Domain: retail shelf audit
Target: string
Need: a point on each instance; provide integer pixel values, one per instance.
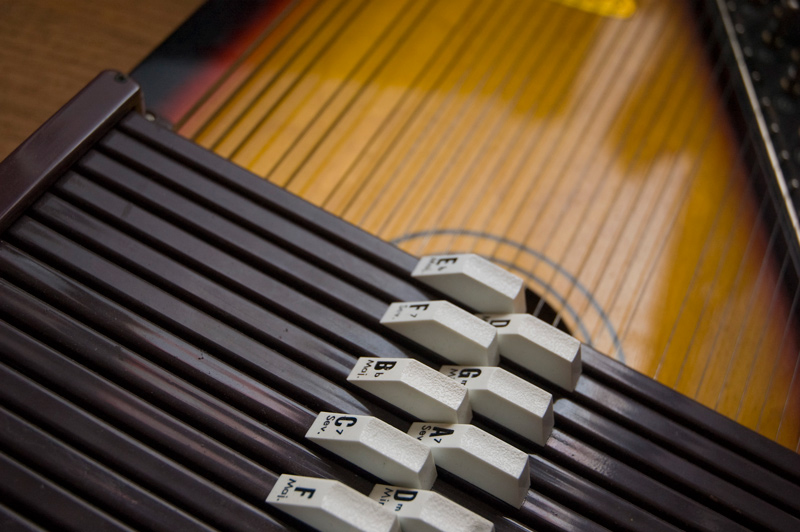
(627, 320)
(523, 124)
(214, 87)
(789, 395)
(362, 88)
(518, 169)
(777, 291)
(642, 229)
(351, 17)
(698, 319)
(480, 154)
(257, 75)
(721, 263)
(394, 112)
(485, 33)
(786, 331)
(457, 126)
(662, 107)
(330, 22)
(452, 93)
(326, 158)
(765, 263)
(558, 222)
(645, 229)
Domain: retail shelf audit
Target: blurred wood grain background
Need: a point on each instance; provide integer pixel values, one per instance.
(50, 49)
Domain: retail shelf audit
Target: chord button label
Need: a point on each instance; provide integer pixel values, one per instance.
(479, 458)
(539, 347)
(445, 329)
(330, 505)
(375, 446)
(414, 387)
(428, 511)
(473, 281)
(507, 399)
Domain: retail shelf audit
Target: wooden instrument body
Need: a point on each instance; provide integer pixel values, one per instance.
(594, 156)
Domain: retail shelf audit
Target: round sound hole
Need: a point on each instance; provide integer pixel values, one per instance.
(545, 311)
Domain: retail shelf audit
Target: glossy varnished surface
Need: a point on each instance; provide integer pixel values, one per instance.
(593, 156)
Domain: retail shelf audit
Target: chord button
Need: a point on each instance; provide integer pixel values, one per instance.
(375, 446)
(445, 329)
(479, 458)
(422, 510)
(330, 505)
(414, 387)
(539, 347)
(507, 399)
(474, 281)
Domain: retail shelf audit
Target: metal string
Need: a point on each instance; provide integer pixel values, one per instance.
(522, 127)
(765, 264)
(786, 331)
(363, 86)
(665, 95)
(214, 87)
(390, 116)
(263, 118)
(453, 126)
(729, 241)
(509, 107)
(519, 168)
(616, 289)
(257, 74)
(776, 293)
(418, 143)
(597, 185)
(627, 321)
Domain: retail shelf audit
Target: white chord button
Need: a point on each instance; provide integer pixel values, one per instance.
(414, 387)
(421, 510)
(479, 458)
(446, 329)
(538, 346)
(507, 399)
(331, 506)
(375, 446)
(474, 281)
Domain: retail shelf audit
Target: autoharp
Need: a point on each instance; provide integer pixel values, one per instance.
(172, 324)
(639, 173)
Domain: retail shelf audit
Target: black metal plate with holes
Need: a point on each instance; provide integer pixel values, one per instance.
(170, 325)
(758, 42)
(768, 32)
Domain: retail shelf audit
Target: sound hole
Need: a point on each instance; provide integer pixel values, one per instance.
(546, 313)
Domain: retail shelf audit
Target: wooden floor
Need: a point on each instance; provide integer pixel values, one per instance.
(50, 49)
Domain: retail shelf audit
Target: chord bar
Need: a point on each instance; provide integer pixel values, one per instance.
(473, 281)
(375, 446)
(414, 387)
(446, 329)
